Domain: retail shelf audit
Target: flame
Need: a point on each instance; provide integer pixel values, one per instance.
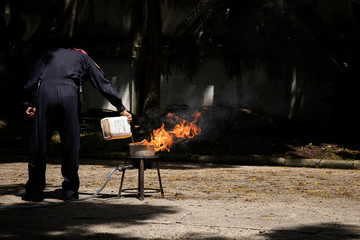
(162, 139)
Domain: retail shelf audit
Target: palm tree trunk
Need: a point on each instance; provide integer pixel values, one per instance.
(152, 48)
(239, 89)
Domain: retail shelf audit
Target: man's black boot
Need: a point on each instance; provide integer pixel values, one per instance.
(70, 195)
(35, 196)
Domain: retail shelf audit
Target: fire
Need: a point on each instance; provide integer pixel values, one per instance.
(162, 139)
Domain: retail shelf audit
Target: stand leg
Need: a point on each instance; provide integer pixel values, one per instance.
(121, 183)
(141, 179)
(158, 171)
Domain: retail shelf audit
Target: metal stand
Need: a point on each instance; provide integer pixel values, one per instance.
(140, 161)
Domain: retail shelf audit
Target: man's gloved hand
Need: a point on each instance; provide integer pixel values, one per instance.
(127, 114)
(30, 111)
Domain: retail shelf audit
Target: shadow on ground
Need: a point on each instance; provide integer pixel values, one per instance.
(80, 220)
(324, 231)
(12, 189)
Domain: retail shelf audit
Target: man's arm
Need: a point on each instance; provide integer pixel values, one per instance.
(103, 85)
(31, 87)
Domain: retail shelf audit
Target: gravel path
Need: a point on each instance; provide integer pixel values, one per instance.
(201, 202)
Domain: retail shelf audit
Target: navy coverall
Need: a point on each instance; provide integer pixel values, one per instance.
(57, 104)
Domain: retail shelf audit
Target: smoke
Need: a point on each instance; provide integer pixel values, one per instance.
(217, 123)
(214, 120)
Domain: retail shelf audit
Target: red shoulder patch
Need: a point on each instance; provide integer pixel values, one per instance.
(80, 50)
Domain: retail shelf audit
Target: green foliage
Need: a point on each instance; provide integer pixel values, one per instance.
(267, 31)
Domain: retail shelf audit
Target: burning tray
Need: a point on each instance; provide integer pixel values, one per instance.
(140, 150)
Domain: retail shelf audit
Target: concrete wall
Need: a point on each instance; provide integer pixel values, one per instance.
(290, 98)
(209, 87)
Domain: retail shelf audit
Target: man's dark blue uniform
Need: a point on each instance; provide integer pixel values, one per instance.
(54, 86)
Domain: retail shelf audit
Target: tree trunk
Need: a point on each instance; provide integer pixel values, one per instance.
(239, 89)
(150, 94)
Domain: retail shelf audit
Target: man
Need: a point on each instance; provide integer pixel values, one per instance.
(53, 100)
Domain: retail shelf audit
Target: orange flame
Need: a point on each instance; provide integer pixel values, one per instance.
(162, 139)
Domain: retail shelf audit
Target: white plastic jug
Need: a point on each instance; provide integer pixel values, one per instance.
(115, 128)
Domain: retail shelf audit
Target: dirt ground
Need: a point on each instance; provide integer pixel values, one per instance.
(202, 201)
